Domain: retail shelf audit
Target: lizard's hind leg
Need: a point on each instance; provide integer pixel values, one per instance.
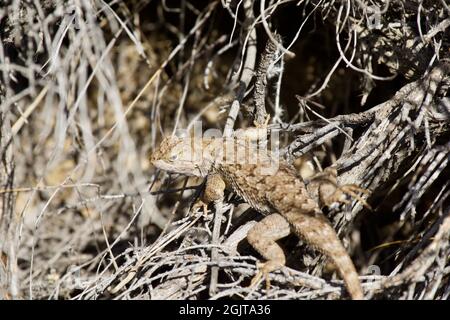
(263, 237)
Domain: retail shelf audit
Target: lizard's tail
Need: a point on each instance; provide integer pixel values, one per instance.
(319, 233)
(347, 271)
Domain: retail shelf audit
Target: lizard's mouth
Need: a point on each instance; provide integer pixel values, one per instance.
(160, 164)
(166, 166)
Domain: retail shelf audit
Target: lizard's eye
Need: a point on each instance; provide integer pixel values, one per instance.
(173, 157)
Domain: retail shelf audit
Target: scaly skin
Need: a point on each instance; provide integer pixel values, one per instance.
(270, 186)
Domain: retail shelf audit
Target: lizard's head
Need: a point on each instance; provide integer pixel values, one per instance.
(182, 155)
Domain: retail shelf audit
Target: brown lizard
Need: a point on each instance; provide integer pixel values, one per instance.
(269, 185)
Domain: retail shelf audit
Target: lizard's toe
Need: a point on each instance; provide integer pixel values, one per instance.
(264, 270)
(264, 124)
(351, 190)
(200, 204)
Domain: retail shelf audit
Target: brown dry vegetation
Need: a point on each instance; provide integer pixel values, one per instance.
(89, 88)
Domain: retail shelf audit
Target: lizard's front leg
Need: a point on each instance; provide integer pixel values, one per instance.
(325, 186)
(214, 191)
(262, 238)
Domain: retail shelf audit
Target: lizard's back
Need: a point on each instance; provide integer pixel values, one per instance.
(285, 192)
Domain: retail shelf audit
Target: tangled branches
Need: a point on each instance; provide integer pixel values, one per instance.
(88, 88)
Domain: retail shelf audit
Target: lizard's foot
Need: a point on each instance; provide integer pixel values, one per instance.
(200, 204)
(339, 195)
(331, 192)
(264, 124)
(264, 270)
(351, 190)
(214, 191)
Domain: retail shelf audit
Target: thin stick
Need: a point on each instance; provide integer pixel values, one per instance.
(23, 118)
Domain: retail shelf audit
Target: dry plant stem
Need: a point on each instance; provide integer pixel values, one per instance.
(429, 165)
(369, 152)
(268, 58)
(315, 130)
(218, 217)
(362, 154)
(247, 71)
(9, 224)
(246, 76)
(421, 264)
(148, 253)
(22, 120)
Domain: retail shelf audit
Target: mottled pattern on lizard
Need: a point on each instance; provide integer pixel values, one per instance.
(281, 195)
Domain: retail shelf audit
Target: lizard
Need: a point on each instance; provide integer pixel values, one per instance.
(269, 185)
